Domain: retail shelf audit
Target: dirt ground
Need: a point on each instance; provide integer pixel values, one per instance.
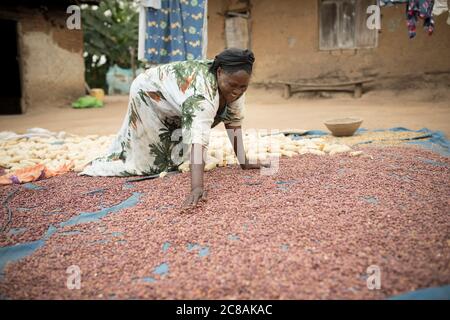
(413, 103)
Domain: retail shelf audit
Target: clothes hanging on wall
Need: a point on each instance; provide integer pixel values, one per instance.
(423, 9)
(416, 9)
(440, 6)
(143, 5)
(387, 3)
(174, 32)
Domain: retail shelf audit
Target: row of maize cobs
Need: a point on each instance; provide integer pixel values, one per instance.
(53, 152)
(264, 148)
(62, 149)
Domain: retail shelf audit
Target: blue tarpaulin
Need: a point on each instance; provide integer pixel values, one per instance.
(435, 293)
(432, 140)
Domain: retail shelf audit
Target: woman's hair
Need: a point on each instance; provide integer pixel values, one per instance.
(233, 60)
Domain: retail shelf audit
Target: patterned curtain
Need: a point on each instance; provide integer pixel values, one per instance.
(175, 32)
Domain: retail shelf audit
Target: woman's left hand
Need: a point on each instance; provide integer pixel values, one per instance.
(248, 166)
(196, 195)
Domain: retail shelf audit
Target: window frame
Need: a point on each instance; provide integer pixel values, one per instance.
(360, 13)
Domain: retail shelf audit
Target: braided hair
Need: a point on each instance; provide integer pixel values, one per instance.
(233, 60)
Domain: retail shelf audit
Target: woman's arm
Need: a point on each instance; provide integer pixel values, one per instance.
(235, 136)
(197, 168)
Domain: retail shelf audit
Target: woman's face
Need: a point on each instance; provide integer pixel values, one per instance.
(232, 85)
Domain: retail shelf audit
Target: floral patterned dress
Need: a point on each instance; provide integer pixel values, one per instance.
(171, 106)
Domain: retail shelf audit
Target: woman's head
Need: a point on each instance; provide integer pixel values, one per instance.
(233, 68)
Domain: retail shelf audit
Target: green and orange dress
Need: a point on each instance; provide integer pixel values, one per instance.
(171, 107)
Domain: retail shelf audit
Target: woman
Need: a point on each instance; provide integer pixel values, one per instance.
(193, 96)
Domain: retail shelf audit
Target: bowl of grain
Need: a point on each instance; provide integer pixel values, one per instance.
(343, 127)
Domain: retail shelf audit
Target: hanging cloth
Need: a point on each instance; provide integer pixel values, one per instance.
(440, 6)
(416, 9)
(387, 3)
(175, 32)
(143, 5)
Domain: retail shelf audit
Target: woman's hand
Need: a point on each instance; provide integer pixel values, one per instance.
(258, 165)
(198, 154)
(235, 136)
(194, 197)
(248, 166)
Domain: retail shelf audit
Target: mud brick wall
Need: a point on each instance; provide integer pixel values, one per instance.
(50, 55)
(285, 39)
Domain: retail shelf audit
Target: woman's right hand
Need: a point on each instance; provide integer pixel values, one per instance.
(198, 154)
(196, 195)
